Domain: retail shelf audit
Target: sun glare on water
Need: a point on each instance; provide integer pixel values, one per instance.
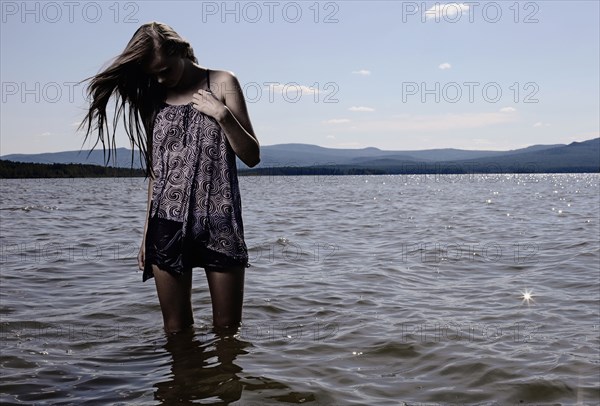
(527, 296)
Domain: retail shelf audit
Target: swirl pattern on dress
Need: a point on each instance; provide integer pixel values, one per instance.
(196, 180)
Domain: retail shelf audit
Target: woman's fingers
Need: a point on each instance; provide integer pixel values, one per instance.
(205, 102)
(140, 259)
(203, 96)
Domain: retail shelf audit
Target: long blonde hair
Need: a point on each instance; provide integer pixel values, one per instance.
(137, 94)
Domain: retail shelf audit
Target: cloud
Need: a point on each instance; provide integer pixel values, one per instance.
(540, 124)
(45, 134)
(508, 109)
(337, 121)
(447, 11)
(433, 123)
(363, 72)
(444, 66)
(361, 108)
(330, 137)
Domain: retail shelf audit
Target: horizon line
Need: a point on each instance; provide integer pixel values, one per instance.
(315, 145)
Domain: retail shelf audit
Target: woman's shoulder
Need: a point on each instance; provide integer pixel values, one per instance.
(224, 84)
(221, 76)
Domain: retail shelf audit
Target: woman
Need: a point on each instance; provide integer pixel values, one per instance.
(189, 124)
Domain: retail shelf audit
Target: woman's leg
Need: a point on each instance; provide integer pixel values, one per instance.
(175, 297)
(227, 295)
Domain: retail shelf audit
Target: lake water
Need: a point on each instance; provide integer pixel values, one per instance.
(363, 290)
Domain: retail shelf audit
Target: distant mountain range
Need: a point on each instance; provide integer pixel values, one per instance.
(575, 157)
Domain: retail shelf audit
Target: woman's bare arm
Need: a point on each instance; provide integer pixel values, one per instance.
(228, 107)
(141, 254)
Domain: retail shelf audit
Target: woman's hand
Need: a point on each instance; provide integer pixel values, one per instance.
(141, 257)
(205, 102)
(228, 107)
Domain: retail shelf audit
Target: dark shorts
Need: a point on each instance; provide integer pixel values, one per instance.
(169, 251)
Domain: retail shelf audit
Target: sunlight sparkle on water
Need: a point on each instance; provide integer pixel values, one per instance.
(527, 296)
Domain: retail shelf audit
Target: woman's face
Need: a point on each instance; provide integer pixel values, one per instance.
(167, 69)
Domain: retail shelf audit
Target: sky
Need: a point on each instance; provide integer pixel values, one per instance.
(396, 75)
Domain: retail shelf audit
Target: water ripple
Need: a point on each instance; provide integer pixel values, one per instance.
(362, 290)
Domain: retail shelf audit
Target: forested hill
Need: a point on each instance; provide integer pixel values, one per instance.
(303, 159)
(9, 169)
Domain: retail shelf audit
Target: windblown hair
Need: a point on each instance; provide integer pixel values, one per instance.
(137, 94)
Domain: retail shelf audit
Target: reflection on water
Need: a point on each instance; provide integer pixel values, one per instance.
(205, 368)
(202, 368)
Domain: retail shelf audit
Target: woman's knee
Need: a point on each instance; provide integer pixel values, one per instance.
(174, 296)
(227, 295)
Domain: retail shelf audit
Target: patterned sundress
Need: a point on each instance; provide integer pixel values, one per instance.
(195, 216)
